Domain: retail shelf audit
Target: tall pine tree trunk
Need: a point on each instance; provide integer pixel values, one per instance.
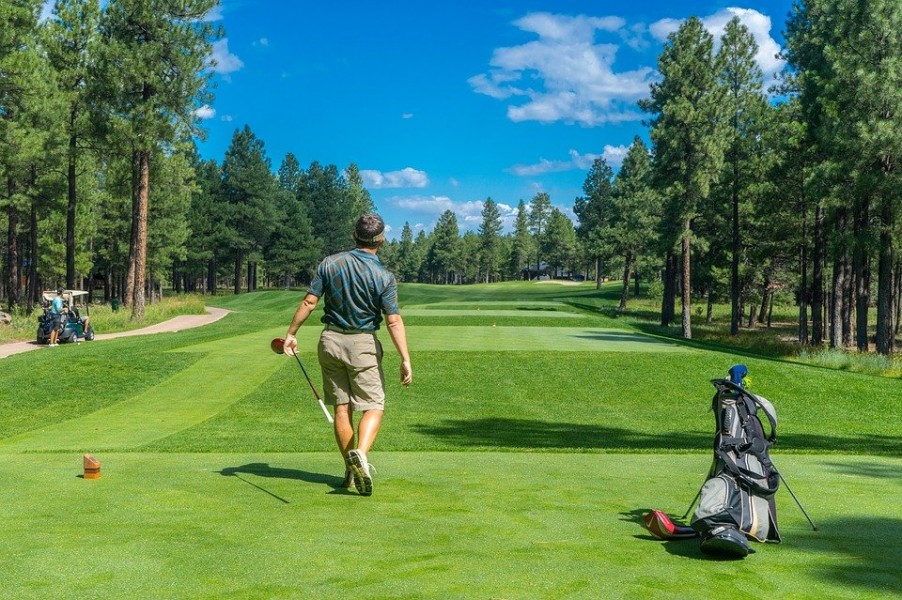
(71, 202)
(211, 276)
(734, 262)
(817, 279)
(848, 286)
(239, 259)
(836, 303)
(668, 305)
(140, 262)
(597, 272)
(862, 275)
(803, 278)
(34, 291)
(129, 294)
(885, 284)
(686, 281)
(627, 273)
(13, 284)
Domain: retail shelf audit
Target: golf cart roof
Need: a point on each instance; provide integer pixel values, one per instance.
(68, 295)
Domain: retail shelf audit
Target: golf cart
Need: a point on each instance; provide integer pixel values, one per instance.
(73, 327)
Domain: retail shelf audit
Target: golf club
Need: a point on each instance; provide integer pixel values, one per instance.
(278, 346)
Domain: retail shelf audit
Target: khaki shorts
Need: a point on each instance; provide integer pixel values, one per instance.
(351, 364)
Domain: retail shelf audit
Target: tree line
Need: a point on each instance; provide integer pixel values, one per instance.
(743, 194)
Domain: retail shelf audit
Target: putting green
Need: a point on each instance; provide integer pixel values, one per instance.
(545, 339)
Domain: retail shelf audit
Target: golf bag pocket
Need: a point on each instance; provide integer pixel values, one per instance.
(724, 502)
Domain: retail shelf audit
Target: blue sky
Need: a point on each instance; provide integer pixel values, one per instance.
(443, 104)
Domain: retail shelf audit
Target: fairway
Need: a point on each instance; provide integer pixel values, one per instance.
(518, 465)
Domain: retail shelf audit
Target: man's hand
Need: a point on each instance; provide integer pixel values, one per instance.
(291, 345)
(406, 373)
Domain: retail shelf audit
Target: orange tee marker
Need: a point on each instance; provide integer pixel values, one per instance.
(92, 467)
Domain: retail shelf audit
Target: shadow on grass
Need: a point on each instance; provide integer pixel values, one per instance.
(687, 547)
(264, 470)
(544, 435)
(860, 552)
(868, 469)
(525, 433)
(621, 336)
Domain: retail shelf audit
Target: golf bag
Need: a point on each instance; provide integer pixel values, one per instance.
(737, 500)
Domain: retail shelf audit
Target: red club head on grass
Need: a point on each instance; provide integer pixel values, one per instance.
(277, 345)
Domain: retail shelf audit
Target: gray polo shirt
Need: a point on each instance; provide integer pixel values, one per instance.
(356, 288)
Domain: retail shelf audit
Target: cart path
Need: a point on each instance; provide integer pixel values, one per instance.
(172, 325)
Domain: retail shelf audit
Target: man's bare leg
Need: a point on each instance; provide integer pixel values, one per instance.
(367, 430)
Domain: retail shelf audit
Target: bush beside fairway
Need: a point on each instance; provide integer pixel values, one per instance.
(514, 473)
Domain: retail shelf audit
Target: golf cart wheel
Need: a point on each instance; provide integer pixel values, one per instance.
(89, 334)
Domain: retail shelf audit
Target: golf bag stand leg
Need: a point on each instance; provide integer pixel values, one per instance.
(799, 504)
(699, 493)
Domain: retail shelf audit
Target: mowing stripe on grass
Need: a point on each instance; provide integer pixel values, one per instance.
(550, 339)
(231, 369)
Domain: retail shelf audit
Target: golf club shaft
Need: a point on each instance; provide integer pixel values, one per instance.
(322, 405)
(802, 508)
(692, 504)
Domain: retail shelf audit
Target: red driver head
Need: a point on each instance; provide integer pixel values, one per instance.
(277, 345)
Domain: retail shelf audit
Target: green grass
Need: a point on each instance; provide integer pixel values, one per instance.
(516, 466)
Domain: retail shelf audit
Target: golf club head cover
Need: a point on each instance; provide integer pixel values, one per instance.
(738, 373)
(661, 526)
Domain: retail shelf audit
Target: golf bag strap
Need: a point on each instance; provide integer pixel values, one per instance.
(750, 478)
(768, 409)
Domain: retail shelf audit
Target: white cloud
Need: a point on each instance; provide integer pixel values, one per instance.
(661, 29)
(262, 42)
(758, 24)
(613, 155)
(225, 61)
(205, 112)
(226, 118)
(407, 116)
(429, 205)
(468, 213)
(564, 75)
(405, 178)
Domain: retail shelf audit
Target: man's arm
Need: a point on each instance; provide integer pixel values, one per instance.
(300, 315)
(399, 339)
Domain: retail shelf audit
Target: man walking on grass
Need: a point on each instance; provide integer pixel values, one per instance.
(358, 290)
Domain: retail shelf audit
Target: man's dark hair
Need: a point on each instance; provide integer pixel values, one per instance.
(368, 232)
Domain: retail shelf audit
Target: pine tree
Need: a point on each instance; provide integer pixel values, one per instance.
(522, 243)
(361, 201)
(687, 108)
(489, 239)
(635, 212)
(539, 214)
(746, 106)
(444, 251)
(28, 110)
(594, 213)
(152, 72)
(249, 191)
(71, 37)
